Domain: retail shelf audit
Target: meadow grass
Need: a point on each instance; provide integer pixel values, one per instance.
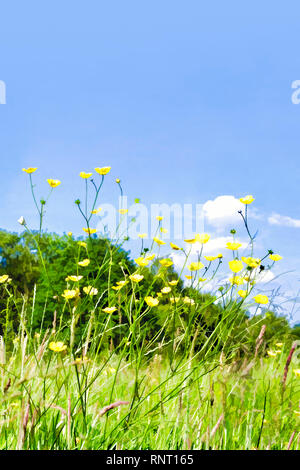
(165, 391)
(51, 401)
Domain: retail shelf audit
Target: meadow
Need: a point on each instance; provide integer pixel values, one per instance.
(101, 351)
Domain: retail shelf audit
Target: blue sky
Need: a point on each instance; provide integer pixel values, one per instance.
(186, 102)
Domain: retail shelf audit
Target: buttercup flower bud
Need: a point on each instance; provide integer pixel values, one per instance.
(22, 221)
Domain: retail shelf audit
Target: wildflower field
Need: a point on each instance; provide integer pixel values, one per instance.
(101, 351)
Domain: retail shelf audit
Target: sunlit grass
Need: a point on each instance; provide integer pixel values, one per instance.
(103, 375)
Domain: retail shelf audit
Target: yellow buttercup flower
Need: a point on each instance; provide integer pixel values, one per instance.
(279, 345)
(211, 258)
(136, 277)
(163, 230)
(275, 257)
(151, 301)
(96, 211)
(29, 170)
(58, 346)
(174, 300)
(141, 261)
(251, 262)
(150, 257)
(247, 199)
(120, 285)
(166, 262)
(74, 278)
(235, 265)
(53, 183)
(4, 278)
(90, 231)
(297, 372)
(142, 235)
(188, 300)
(202, 279)
(271, 353)
(173, 283)
(196, 266)
(80, 360)
(70, 234)
(84, 263)
(237, 280)
(83, 244)
(117, 288)
(233, 245)
(175, 247)
(190, 240)
(188, 277)
(90, 290)
(85, 175)
(104, 170)
(159, 241)
(109, 309)
(242, 293)
(159, 217)
(202, 237)
(166, 290)
(123, 211)
(70, 293)
(261, 299)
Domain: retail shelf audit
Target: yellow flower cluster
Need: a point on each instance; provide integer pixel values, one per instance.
(101, 171)
(199, 238)
(89, 290)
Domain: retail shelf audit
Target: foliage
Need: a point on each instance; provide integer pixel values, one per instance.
(99, 351)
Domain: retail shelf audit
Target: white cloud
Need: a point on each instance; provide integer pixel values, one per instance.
(178, 260)
(263, 276)
(277, 219)
(223, 210)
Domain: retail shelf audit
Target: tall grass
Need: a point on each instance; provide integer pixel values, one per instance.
(59, 391)
(51, 401)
